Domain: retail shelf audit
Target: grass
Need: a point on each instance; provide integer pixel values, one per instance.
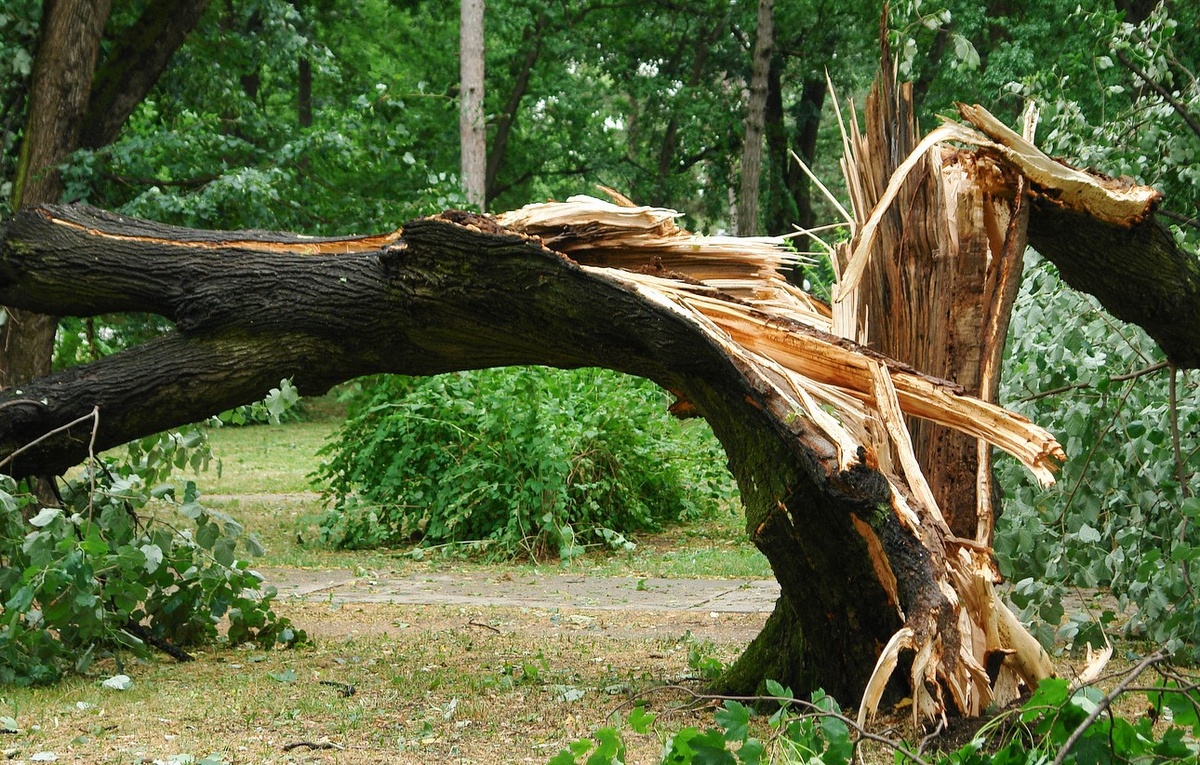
(431, 683)
(263, 483)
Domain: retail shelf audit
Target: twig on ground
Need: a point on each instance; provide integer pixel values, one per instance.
(344, 689)
(474, 623)
(322, 744)
(1160, 655)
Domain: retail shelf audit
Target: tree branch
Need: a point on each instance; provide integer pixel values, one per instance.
(1179, 107)
(134, 64)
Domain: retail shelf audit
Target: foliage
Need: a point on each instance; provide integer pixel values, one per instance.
(18, 35)
(1124, 515)
(281, 404)
(521, 461)
(811, 732)
(100, 574)
(816, 733)
(1119, 516)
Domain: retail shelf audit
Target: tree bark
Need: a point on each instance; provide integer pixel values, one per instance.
(139, 57)
(59, 92)
(471, 118)
(532, 39)
(747, 217)
(70, 108)
(459, 292)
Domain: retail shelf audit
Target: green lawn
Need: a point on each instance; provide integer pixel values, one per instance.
(263, 482)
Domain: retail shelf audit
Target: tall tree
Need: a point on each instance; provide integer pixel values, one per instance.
(747, 218)
(72, 104)
(471, 126)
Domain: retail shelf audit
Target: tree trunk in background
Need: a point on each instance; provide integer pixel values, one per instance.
(134, 63)
(532, 40)
(67, 111)
(747, 218)
(471, 124)
(60, 88)
(304, 113)
(789, 190)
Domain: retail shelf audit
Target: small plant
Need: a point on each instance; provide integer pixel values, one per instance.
(1057, 725)
(526, 461)
(100, 574)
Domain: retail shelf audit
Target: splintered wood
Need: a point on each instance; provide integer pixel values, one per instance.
(735, 289)
(803, 353)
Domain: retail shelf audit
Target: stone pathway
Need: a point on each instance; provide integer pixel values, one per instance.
(530, 590)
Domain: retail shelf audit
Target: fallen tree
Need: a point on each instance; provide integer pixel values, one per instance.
(873, 574)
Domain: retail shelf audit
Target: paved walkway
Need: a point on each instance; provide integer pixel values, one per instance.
(531, 590)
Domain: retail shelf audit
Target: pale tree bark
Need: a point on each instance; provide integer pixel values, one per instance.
(747, 217)
(471, 124)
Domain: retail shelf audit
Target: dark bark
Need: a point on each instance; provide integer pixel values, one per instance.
(504, 121)
(789, 195)
(752, 146)
(59, 92)
(134, 64)
(73, 105)
(304, 109)
(252, 308)
(1137, 272)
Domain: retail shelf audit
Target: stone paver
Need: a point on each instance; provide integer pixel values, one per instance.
(531, 590)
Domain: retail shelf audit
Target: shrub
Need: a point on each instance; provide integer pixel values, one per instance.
(99, 575)
(518, 461)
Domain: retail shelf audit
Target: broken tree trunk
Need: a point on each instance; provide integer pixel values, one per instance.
(871, 573)
(615, 287)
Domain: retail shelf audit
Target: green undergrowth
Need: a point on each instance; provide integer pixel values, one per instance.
(1057, 724)
(264, 483)
(101, 575)
(523, 462)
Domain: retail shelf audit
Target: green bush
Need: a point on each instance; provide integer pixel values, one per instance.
(98, 574)
(527, 461)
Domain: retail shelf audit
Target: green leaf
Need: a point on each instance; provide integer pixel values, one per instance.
(778, 691)
(734, 717)
(154, 557)
(1088, 535)
(640, 720)
(1052, 692)
(286, 676)
(610, 749)
(710, 749)
(751, 752)
(1190, 507)
(45, 517)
